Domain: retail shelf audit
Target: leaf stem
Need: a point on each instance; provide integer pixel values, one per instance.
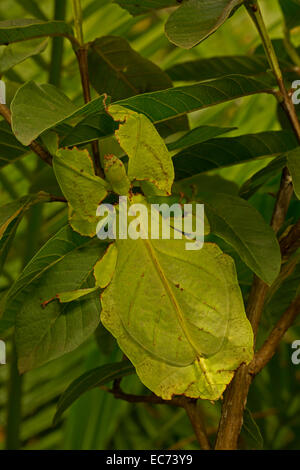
(78, 21)
(81, 54)
(257, 18)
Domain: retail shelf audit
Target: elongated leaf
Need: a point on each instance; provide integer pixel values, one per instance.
(227, 151)
(162, 105)
(195, 20)
(293, 159)
(32, 7)
(188, 332)
(206, 69)
(75, 174)
(10, 148)
(14, 54)
(44, 333)
(262, 177)
(291, 11)
(242, 226)
(139, 7)
(20, 30)
(149, 159)
(16, 209)
(67, 297)
(91, 379)
(89, 129)
(52, 108)
(198, 135)
(105, 267)
(116, 69)
(10, 216)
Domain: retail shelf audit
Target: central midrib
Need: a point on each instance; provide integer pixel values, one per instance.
(171, 296)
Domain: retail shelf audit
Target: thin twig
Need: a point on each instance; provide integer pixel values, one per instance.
(194, 413)
(190, 405)
(82, 58)
(267, 351)
(291, 242)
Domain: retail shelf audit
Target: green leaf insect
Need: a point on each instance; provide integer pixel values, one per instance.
(178, 316)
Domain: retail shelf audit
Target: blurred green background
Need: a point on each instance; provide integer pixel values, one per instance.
(97, 420)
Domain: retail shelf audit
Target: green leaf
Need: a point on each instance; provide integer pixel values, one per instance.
(91, 128)
(46, 332)
(51, 108)
(227, 151)
(291, 11)
(243, 227)
(105, 267)
(11, 215)
(149, 159)
(140, 7)
(116, 69)
(162, 105)
(22, 29)
(14, 54)
(83, 190)
(10, 148)
(253, 184)
(195, 20)
(251, 432)
(91, 379)
(16, 209)
(293, 159)
(206, 69)
(178, 316)
(31, 7)
(198, 135)
(67, 297)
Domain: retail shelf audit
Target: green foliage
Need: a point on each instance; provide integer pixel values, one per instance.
(14, 54)
(293, 164)
(291, 11)
(195, 20)
(209, 125)
(91, 379)
(20, 30)
(126, 73)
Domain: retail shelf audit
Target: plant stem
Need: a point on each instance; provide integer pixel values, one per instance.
(81, 54)
(236, 395)
(194, 413)
(57, 45)
(78, 21)
(267, 351)
(257, 18)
